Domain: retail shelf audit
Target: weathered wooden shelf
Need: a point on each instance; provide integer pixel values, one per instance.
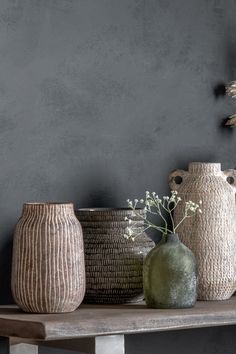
(98, 320)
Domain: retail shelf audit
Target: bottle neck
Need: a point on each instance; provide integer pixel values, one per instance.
(172, 238)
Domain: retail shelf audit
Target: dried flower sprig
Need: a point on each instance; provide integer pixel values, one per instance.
(154, 205)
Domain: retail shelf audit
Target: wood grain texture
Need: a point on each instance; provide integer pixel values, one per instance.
(48, 272)
(96, 320)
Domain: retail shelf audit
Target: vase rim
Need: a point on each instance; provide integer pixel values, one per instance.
(107, 209)
(204, 163)
(204, 167)
(47, 203)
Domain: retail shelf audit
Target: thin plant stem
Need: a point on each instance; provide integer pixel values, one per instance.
(185, 217)
(171, 217)
(159, 228)
(156, 206)
(160, 213)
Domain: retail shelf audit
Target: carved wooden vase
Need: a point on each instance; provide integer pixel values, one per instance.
(48, 272)
(114, 265)
(210, 235)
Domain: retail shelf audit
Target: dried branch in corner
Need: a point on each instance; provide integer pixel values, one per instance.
(231, 121)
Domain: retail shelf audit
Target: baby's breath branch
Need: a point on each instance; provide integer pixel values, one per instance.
(148, 222)
(171, 217)
(159, 228)
(128, 235)
(153, 205)
(189, 207)
(157, 203)
(181, 221)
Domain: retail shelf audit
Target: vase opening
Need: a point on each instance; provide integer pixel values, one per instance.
(204, 168)
(106, 209)
(40, 206)
(48, 203)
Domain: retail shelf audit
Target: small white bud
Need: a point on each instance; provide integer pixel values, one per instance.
(130, 231)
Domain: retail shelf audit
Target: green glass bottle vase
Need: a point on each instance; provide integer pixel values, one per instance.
(170, 275)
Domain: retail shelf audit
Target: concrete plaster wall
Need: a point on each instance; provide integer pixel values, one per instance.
(101, 99)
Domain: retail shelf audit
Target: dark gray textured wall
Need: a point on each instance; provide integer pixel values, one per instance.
(101, 99)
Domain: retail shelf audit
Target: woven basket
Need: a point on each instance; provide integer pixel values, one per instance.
(114, 265)
(212, 234)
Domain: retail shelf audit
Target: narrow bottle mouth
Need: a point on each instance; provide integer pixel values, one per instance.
(172, 237)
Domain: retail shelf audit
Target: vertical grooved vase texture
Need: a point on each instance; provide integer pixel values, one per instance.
(114, 265)
(48, 271)
(210, 235)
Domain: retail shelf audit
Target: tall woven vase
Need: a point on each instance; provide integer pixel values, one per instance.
(114, 265)
(48, 272)
(210, 235)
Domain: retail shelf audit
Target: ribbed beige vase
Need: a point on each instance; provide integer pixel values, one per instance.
(114, 265)
(210, 235)
(48, 271)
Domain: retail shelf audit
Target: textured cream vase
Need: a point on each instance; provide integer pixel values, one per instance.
(48, 271)
(212, 234)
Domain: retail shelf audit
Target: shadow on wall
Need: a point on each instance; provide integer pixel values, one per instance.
(219, 90)
(5, 269)
(100, 197)
(216, 340)
(226, 130)
(102, 192)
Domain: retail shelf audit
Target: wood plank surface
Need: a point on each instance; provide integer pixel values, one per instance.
(96, 320)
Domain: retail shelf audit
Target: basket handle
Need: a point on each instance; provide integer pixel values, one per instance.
(176, 178)
(230, 176)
